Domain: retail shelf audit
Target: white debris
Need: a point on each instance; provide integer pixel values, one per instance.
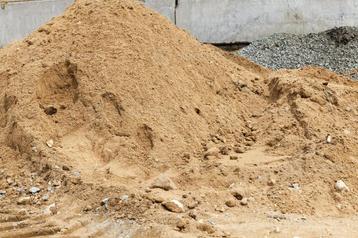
(50, 143)
(341, 186)
(329, 139)
(174, 206)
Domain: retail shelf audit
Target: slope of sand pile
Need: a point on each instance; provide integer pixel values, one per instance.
(99, 102)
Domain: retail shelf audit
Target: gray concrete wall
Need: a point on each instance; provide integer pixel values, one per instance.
(18, 19)
(226, 21)
(164, 7)
(214, 21)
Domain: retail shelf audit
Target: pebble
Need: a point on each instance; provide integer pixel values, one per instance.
(213, 151)
(341, 186)
(163, 182)
(329, 139)
(51, 209)
(230, 203)
(244, 202)
(34, 190)
(45, 197)
(174, 206)
(50, 143)
(234, 157)
(105, 202)
(206, 228)
(23, 200)
(124, 198)
(271, 182)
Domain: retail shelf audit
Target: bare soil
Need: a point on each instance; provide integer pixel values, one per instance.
(99, 102)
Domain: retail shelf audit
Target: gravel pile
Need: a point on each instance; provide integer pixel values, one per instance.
(335, 49)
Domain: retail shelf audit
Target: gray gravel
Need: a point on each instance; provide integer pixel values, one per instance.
(335, 49)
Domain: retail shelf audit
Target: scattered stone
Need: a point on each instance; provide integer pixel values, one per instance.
(239, 195)
(105, 202)
(23, 200)
(234, 157)
(174, 206)
(294, 187)
(163, 182)
(87, 208)
(124, 198)
(239, 150)
(45, 197)
(276, 230)
(329, 139)
(271, 182)
(224, 150)
(213, 151)
(206, 228)
(51, 209)
(34, 190)
(9, 180)
(2, 193)
(193, 215)
(230, 203)
(155, 198)
(341, 186)
(50, 143)
(290, 51)
(244, 202)
(181, 225)
(66, 168)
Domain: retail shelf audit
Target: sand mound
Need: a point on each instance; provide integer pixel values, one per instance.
(99, 102)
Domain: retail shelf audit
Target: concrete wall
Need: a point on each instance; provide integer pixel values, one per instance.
(220, 21)
(164, 7)
(214, 21)
(18, 19)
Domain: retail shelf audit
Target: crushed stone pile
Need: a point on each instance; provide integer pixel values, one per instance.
(334, 49)
(110, 111)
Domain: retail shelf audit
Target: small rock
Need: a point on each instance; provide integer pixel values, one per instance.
(181, 225)
(124, 198)
(87, 208)
(51, 210)
(244, 202)
(341, 186)
(66, 168)
(294, 187)
(276, 230)
(163, 182)
(213, 151)
(206, 228)
(329, 139)
(239, 150)
(239, 195)
(271, 182)
(174, 206)
(105, 202)
(50, 143)
(45, 197)
(23, 200)
(193, 215)
(224, 150)
(2, 193)
(34, 190)
(9, 180)
(230, 203)
(234, 157)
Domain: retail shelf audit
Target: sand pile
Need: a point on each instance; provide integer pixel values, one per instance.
(101, 101)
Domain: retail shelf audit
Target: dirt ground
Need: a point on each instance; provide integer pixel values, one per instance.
(114, 123)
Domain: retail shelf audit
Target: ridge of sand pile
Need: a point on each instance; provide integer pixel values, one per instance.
(106, 97)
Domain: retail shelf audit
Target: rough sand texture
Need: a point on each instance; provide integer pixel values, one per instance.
(99, 102)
